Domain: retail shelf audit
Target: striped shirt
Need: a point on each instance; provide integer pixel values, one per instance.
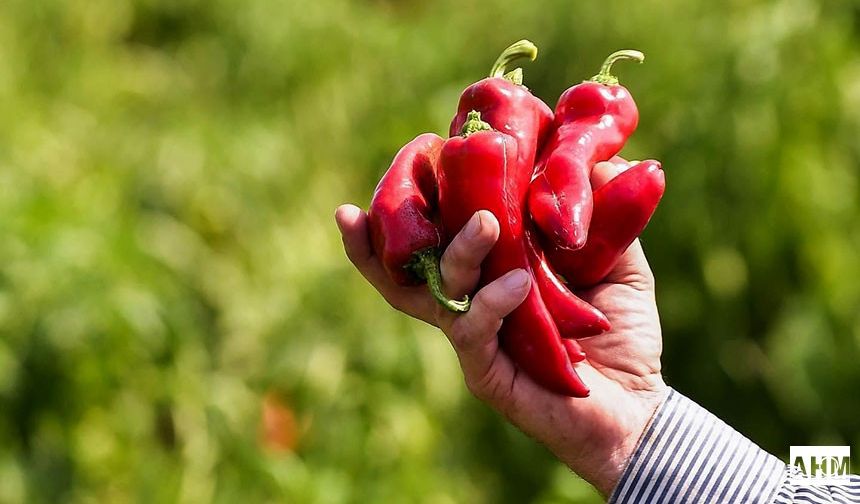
(687, 455)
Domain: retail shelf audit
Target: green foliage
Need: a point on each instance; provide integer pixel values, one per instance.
(168, 175)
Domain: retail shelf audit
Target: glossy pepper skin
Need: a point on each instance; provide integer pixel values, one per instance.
(475, 173)
(622, 208)
(574, 317)
(508, 106)
(593, 121)
(403, 231)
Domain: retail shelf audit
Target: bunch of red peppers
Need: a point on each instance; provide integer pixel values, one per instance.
(509, 153)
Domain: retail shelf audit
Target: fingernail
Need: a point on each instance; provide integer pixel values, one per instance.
(516, 279)
(473, 228)
(340, 212)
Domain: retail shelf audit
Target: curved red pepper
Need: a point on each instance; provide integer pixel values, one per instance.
(622, 209)
(475, 173)
(508, 106)
(574, 317)
(402, 229)
(593, 121)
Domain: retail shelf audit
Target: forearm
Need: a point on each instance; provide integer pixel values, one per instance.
(630, 429)
(599, 450)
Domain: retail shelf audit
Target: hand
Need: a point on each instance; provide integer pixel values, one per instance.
(594, 436)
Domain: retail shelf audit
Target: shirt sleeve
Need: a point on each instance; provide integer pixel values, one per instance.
(848, 492)
(687, 455)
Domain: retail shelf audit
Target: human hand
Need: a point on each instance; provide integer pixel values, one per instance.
(594, 436)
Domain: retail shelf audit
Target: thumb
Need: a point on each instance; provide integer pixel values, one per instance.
(487, 371)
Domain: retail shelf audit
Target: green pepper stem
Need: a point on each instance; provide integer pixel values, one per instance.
(474, 124)
(604, 76)
(520, 49)
(515, 76)
(425, 264)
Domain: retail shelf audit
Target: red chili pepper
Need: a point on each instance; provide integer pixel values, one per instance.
(622, 209)
(593, 121)
(401, 217)
(574, 317)
(508, 106)
(475, 172)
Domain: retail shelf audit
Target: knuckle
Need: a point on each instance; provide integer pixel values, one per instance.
(477, 390)
(484, 303)
(473, 329)
(455, 255)
(460, 334)
(491, 388)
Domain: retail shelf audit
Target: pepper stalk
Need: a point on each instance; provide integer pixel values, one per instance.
(604, 76)
(520, 49)
(474, 124)
(425, 265)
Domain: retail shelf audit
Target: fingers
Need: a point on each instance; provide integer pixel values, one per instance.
(352, 222)
(414, 301)
(606, 171)
(474, 337)
(461, 262)
(489, 374)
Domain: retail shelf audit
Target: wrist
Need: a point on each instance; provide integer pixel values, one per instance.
(610, 446)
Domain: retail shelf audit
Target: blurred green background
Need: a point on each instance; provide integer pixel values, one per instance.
(170, 272)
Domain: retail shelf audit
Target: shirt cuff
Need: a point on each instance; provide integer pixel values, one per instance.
(687, 455)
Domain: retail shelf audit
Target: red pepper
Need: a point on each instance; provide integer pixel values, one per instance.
(508, 106)
(593, 121)
(401, 217)
(476, 172)
(622, 209)
(574, 317)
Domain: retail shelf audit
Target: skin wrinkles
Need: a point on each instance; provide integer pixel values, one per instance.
(593, 436)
